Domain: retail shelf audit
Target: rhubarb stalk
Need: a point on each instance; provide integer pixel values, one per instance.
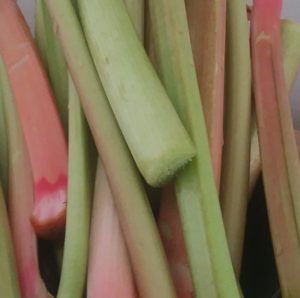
(75, 256)
(195, 186)
(9, 285)
(21, 200)
(172, 236)
(207, 26)
(290, 33)
(110, 272)
(237, 125)
(137, 222)
(53, 58)
(281, 174)
(136, 95)
(39, 120)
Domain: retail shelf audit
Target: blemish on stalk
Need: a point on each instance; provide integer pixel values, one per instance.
(19, 63)
(263, 36)
(23, 45)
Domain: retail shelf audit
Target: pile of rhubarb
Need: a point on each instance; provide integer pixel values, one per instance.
(133, 134)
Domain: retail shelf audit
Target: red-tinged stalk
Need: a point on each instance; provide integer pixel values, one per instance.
(21, 200)
(76, 245)
(173, 241)
(207, 26)
(142, 238)
(195, 187)
(290, 34)
(281, 174)
(237, 129)
(109, 273)
(9, 284)
(39, 119)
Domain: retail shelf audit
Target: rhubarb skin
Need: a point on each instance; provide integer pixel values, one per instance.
(109, 270)
(277, 142)
(21, 200)
(173, 241)
(39, 120)
(207, 26)
(290, 34)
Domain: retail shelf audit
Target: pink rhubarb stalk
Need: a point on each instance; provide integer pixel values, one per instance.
(173, 241)
(20, 201)
(39, 120)
(109, 270)
(278, 150)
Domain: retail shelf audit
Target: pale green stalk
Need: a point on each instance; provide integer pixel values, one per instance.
(53, 58)
(152, 129)
(73, 276)
(9, 287)
(3, 149)
(237, 129)
(290, 38)
(197, 196)
(139, 227)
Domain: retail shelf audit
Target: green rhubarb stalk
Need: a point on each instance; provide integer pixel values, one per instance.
(137, 222)
(53, 58)
(75, 256)
(136, 11)
(207, 24)
(152, 129)
(21, 199)
(237, 129)
(281, 170)
(3, 149)
(40, 34)
(290, 33)
(9, 286)
(196, 191)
